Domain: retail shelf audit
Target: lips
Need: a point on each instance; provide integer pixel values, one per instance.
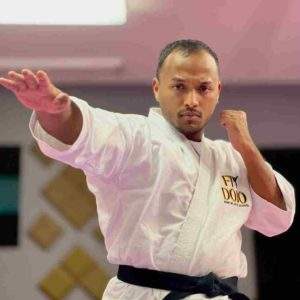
(191, 114)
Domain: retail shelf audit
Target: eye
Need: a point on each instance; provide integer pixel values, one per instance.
(203, 89)
(179, 86)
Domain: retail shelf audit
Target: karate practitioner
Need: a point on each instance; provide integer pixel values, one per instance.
(171, 202)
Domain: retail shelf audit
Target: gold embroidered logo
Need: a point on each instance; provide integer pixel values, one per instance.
(230, 191)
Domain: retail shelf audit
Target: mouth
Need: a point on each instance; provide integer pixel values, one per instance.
(191, 115)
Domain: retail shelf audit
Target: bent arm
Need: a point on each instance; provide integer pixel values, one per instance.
(269, 219)
(261, 177)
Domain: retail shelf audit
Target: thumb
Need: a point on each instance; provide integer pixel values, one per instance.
(61, 98)
(59, 104)
(43, 78)
(62, 101)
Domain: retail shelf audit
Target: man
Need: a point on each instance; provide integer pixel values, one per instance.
(170, 201)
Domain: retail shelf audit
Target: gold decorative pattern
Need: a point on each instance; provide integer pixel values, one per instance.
(57, 284)
(78, 262)
(68, 192)
(94, 282)
(44, 231)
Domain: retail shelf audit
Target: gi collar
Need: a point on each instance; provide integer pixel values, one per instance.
(157, 119)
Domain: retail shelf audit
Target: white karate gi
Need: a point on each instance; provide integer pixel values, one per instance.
(164, 202)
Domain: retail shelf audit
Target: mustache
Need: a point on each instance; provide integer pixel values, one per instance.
(189, 112)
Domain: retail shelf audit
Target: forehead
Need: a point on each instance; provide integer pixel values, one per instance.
(199, 65)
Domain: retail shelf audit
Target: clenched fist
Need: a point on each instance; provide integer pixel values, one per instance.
(235, 122)
(35, 91)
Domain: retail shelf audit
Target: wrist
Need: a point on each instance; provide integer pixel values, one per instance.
(248, 150)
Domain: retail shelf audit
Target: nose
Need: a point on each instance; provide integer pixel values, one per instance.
(191, 99)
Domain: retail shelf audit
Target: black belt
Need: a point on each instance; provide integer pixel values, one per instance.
(181, 286)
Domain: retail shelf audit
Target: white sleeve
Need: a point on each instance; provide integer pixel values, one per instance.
(100, 147)
(269, 219)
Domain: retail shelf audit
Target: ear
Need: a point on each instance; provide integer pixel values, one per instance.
(219, 86)
(219, 89)
(155, 88)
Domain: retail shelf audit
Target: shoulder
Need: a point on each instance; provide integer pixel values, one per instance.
(133, 119)
(133, 123)
(108, 117)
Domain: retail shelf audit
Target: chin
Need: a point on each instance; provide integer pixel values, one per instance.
(187, 130)
(192, 127)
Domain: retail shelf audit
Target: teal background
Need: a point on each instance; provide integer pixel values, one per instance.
(9, 190)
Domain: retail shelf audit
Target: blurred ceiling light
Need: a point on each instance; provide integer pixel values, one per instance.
(143, 6)
(67, 12)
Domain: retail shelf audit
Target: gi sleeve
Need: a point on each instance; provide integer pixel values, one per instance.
(101, 146)
(269, 219)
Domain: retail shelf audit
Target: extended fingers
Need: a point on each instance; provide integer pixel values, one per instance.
(18, 79)
(26, 79)
(43, 78)
(9, 84)
(30, 79)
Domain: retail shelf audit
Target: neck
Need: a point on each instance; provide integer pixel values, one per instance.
(195, 136)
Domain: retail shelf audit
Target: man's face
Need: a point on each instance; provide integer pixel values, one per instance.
(188, 90)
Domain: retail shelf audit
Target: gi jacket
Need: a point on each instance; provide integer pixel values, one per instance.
(164, 202)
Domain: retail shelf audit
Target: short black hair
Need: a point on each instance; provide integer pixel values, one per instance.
(186, 47)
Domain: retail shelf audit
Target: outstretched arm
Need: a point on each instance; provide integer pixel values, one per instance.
(56, 113)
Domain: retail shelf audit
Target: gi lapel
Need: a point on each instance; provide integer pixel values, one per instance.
(190, 234)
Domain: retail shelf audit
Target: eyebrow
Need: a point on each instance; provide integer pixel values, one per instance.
(179, 79)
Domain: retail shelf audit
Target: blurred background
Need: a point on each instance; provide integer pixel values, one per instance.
(106, 52)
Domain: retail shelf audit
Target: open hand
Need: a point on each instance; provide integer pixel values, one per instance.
(35, 91)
